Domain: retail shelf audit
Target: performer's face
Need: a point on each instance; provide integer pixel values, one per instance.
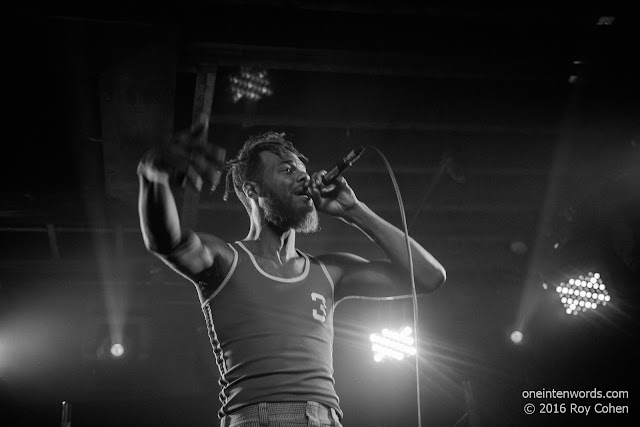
(283, 193)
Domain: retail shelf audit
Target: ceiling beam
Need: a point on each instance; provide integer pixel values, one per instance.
(198, 55)
(248, 119)
(498, 11)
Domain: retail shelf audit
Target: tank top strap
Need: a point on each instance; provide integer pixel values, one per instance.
(305, 271)
(234, 264)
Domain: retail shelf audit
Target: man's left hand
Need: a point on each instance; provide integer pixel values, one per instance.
(335, 199)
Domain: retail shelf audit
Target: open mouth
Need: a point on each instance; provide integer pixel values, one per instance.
(304, 195)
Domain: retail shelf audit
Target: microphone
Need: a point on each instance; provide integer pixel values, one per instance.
(342, 165)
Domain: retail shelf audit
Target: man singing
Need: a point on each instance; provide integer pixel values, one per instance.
(269, 306)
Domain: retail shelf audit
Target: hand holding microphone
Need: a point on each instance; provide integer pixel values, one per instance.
(330, 195)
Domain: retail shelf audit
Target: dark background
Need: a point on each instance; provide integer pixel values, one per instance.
(535, 106)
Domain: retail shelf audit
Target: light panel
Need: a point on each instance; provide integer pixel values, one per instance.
(583, 293)
(392, 344)
(249, 83)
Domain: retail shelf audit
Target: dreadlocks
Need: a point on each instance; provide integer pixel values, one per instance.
(247, 166)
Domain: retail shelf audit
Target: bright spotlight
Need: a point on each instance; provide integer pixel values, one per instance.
(117, 350)
(516, 337)
(391, 344)
(583, 299)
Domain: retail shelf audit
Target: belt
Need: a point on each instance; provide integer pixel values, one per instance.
(311, 413)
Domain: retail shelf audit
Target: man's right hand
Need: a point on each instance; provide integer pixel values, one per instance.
(186, 160)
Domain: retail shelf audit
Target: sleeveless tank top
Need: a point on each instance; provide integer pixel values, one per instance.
(272, 337)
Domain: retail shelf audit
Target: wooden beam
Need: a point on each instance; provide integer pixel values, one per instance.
(205, 83)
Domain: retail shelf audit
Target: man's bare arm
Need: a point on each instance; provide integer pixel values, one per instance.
(429, 273)
(185, 161)
(356, 276)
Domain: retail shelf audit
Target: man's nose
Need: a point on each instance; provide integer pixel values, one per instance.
(303, 176)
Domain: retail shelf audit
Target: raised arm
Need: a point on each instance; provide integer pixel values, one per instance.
(356, 276)
(188, 162)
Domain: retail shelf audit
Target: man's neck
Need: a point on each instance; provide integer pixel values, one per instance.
(270, 241)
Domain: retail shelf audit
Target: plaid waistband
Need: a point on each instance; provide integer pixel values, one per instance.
(261, 414)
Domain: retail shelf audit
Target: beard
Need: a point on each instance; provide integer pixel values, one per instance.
(283, 214)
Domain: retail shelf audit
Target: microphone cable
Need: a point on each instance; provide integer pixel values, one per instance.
(414, 295)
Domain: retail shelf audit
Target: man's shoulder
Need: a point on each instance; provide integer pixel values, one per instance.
(338, 262)
(219, 248)
(212, 240)
(339, 257)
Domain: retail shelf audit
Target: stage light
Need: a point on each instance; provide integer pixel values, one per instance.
(516, 337)
(117, 350)
(391, 344)
(518, 247)
(606, 20)
(102, 345)
(249, 83)
(583, 293)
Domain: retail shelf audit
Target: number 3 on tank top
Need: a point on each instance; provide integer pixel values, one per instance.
(323, 307)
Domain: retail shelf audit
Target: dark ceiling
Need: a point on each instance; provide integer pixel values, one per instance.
(512, 130)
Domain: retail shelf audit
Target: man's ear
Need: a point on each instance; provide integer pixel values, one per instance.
(251, 189)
